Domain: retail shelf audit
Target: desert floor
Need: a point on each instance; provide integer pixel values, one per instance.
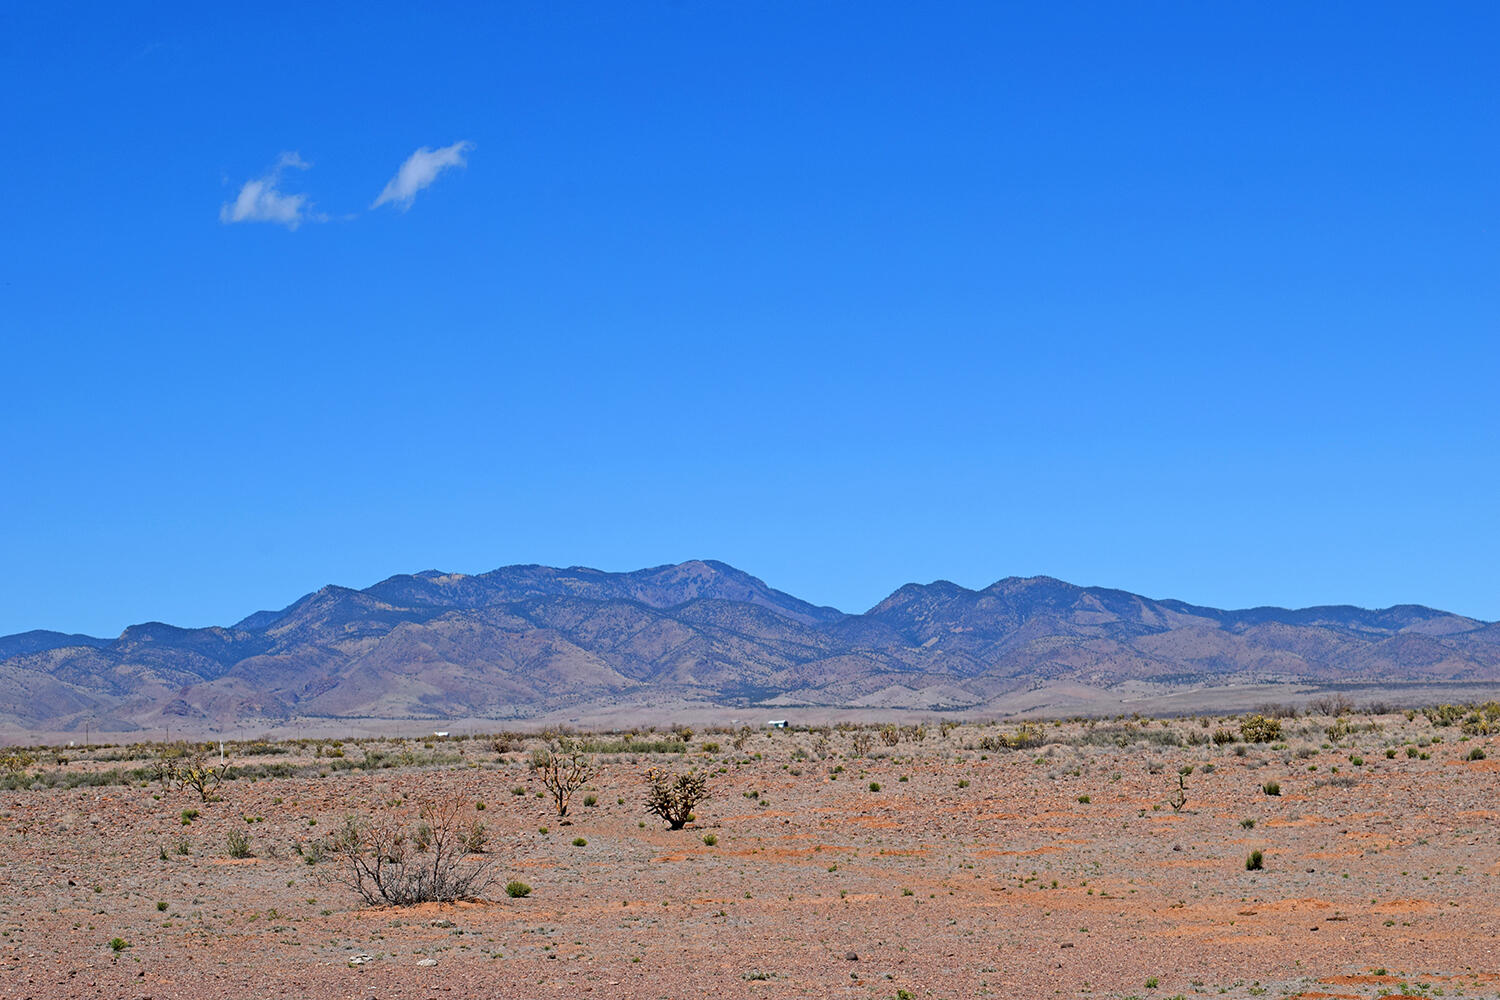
(841, 865)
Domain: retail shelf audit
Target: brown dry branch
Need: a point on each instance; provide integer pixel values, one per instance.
(381, 860)
(563, 769)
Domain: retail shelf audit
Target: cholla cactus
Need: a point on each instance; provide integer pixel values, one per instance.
(563, 769)
(1259, 729)
(15, 760)
(672, 797)
(196, 770)
(1027, 735)
(1179, 798)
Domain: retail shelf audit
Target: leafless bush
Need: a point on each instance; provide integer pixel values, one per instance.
(383, 862)
(1330, 704)
(163, 765)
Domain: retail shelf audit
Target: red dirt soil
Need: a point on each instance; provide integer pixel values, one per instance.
(816, 887)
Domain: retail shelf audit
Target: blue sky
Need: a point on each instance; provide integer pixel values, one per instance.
(1195, 300)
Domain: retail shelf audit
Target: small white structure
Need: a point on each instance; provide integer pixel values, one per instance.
(440, 733)
(776, 724)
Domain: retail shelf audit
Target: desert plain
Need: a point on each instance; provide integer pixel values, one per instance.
(1073, 858)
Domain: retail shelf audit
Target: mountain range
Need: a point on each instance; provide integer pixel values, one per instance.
(532, 642)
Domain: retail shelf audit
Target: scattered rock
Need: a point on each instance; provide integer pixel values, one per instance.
(427, 962)
(361, 959)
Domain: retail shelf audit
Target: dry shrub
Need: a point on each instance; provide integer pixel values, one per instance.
(379, 858)
(563, 769)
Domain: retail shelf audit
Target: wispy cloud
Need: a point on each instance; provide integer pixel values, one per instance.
(419, 171)
(260, 201)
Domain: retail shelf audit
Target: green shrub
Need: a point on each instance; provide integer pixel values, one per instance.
(580, 842)
(1476, 754)
(1271, 788)
(118, 944)
(1259, 729)
(710, 840)
(239, 844)
(516, 890)
(1255, 862)
(634, 746)
(16, 761)
(1027, 735)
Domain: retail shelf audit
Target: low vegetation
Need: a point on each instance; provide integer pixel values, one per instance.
(673, 796)
(563, 767)
(387, 862)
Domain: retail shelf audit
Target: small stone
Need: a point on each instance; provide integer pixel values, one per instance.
(427, 962)
(361, 958)
(440, 923)
(851, 957)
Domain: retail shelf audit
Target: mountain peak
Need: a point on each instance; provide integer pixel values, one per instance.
(532, 641)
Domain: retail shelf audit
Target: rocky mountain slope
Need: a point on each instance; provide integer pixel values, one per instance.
(523, 641)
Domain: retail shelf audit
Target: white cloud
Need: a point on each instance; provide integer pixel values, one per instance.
(259, 201)
(420, 170)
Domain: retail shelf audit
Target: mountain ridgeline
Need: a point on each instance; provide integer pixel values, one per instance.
(523, 642)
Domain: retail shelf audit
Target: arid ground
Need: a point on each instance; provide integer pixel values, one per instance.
(827, 862)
